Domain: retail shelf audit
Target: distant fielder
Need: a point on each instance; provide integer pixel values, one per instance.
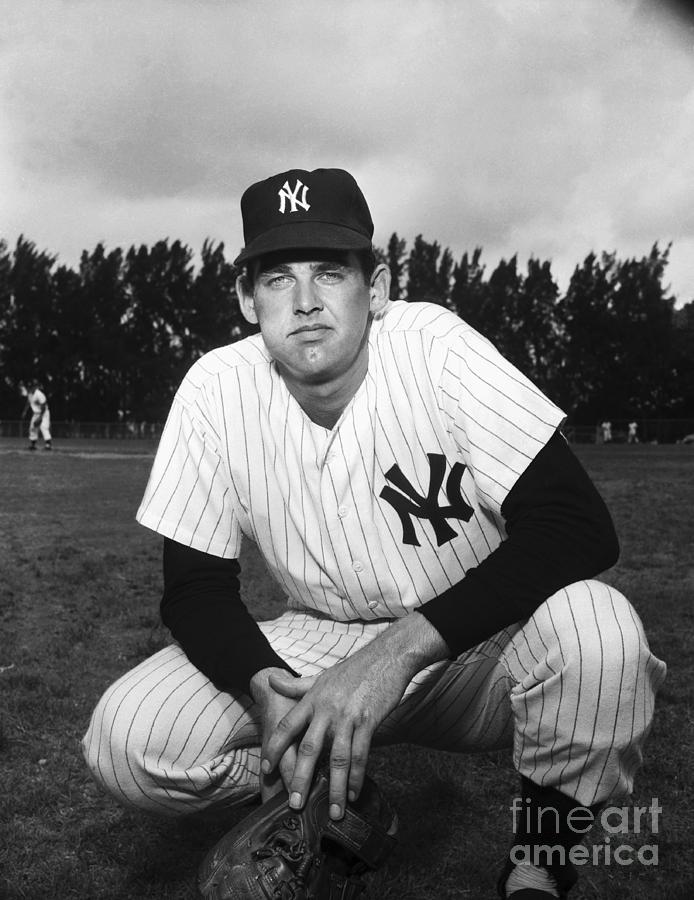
(40, 417)
(437, 541)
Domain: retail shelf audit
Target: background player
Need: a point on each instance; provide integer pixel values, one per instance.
(411, 492)
(40, 417)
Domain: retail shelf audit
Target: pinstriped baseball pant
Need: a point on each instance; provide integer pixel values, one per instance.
(571, 691)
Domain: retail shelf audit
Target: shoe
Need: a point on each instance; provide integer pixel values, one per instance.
(532, 894)
(565, 876)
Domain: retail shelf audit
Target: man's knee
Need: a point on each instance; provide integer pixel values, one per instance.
(161, 739)
(601, 650)
(114, 750)
(594, 627)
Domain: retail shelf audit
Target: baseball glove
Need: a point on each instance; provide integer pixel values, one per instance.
(278, 853)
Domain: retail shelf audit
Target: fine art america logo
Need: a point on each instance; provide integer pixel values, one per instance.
(286, 194)
(615, 821)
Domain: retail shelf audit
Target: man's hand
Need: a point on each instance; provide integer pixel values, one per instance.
(343, 706)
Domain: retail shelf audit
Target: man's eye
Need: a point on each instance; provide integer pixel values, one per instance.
(277, 280)
(330, 276)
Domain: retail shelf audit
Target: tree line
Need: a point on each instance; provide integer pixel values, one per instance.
(112, 338)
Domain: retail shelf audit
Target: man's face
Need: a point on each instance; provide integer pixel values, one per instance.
(313, 309)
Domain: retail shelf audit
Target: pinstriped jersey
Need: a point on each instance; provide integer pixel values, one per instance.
(386, 510)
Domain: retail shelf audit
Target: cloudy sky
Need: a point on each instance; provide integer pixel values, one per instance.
(539, 127)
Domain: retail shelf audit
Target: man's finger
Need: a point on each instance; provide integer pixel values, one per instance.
(287, 766)
(289, 686)
(307, 756)
(280, 778)
(283, 735)
(361, 747)
(340, 761)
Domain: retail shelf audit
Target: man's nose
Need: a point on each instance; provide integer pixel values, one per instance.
(306, 298)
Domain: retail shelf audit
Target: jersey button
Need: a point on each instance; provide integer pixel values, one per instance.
(357, 566)
(342, 511)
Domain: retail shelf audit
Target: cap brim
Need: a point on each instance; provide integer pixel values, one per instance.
(304, 235)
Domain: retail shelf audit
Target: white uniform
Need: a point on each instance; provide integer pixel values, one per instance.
(40, 416)
(362, 524)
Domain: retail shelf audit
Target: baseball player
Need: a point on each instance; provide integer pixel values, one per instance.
(436, 538)
(40, 417)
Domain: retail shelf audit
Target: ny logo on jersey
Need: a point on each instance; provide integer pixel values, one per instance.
(287, 194)
(410, 503)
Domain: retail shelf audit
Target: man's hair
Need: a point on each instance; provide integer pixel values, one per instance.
(367, 263)
(365, 258)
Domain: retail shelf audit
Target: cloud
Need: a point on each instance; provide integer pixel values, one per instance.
(520, 125)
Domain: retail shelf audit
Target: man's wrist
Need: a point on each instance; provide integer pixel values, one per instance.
(416, 643)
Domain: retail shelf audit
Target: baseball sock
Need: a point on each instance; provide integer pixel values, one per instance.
(550, 824)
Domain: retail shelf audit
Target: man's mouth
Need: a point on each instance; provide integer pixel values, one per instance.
(308, 328)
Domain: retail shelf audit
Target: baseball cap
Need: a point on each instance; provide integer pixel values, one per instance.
(298, 209)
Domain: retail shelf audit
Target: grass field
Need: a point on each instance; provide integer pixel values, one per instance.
(80, 584)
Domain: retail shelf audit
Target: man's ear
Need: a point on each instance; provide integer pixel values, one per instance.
(379, 289)
(246, 301)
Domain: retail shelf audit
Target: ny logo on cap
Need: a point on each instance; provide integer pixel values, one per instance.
(286, 193)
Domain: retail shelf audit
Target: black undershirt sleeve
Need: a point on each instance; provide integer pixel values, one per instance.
(202, 608)
(559, 531)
